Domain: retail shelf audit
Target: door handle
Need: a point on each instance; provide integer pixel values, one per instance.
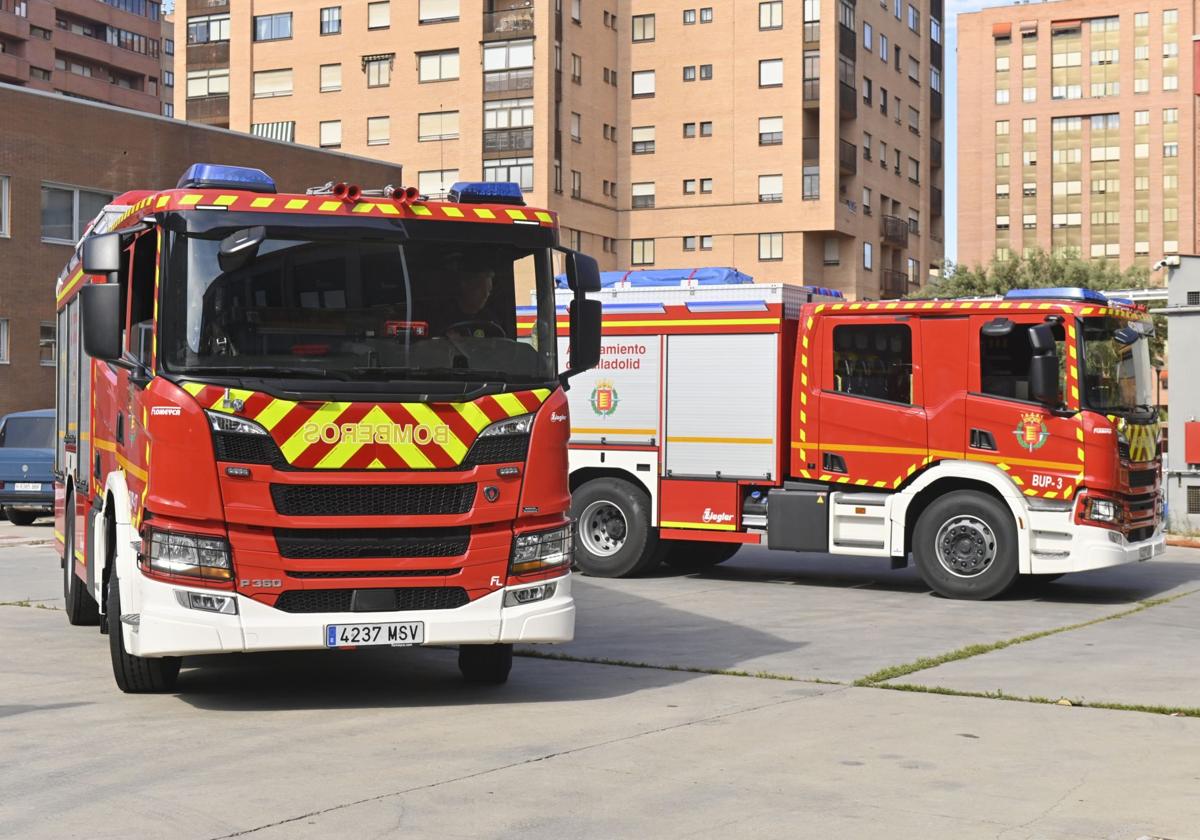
(981, 439)
(833, 463)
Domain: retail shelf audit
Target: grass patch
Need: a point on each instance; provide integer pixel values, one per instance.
(626, 663)
(894, 671)
(1171, 711)
(25, 602)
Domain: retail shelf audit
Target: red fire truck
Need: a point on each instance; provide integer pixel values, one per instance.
(985, 439)
(305, 421)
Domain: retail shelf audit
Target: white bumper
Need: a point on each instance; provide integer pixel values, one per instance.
(1058, 545)
(165, 628)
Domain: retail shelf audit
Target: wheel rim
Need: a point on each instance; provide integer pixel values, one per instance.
(603, 528)
(966, 546)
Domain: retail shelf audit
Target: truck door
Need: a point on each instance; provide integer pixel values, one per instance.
(1035, 446)
(872, 425)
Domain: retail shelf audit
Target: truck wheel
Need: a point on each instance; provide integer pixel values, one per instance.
(135, 674)
(80, 607)
(485, 664)
(613, 537)
(965, 546)
(691, 556)
(19, 517)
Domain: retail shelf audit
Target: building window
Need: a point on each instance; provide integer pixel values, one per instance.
(689, 17)
(517, 170)
(168, 109)
(643, 28)
(643, 139)
(576, 69)
(689, 243)
(438, 66)
(643, 83)
(868, 256)
(706, 243)
(283, 131)
(168, 79)
(770, 246)
(271, 83)
(3, 341)
(867, 91)
(438, 125)
(273, 27)
(689, 73)
(46, 344)
(770, 15)
(705, 72)
(576, 184)
(169, 46)
(689, 130)
(331, 134)
(706, 128)
(66, 211)
(436, 11)
(207, 29)
(689, 186)
(331, 77)
(331, 20)
(379, 131)
(706, 14)
(4, 211)
(770, 131)
(577, 11)
(868, 37)
(576, 128)
(706, 185)
(642, 195)
(914, 19)
(770, 188)
(436, 183)
(770, 72)
(379, 15)
(379, 70)
(642, 251)
(811, 183)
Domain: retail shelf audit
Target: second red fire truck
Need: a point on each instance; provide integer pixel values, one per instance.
(983, 439)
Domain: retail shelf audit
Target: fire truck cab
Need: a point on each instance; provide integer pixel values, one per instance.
(306, 421)
(983, 439)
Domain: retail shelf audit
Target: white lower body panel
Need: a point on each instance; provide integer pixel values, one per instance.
(1058, 545)
(165, 628)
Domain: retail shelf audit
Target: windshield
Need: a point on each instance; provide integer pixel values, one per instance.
(1116, 377)
(357, 309)
(27, 433)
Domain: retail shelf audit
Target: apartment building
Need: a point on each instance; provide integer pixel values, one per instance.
(1077, 130)
(102, 50)
(797, 140)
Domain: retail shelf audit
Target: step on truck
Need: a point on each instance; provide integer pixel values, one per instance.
(983, 439)
(306, 421)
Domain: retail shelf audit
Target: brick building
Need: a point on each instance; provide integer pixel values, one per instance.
(804, 146)
(103, 50)
(51, 185)
(1077, 130)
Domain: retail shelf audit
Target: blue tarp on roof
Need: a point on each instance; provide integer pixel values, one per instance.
(668, 277)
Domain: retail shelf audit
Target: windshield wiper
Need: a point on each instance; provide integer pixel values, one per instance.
(266, 370)
(479, 374)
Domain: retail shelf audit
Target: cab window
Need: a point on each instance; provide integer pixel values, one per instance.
(1004, 362)
(873, 360)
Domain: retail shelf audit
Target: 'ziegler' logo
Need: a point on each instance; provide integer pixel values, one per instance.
(1031, 431)
(389, 433)
(604, 398)
(710, 516)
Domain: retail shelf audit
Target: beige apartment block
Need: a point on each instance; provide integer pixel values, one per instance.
(1077, 130)
(796, 140)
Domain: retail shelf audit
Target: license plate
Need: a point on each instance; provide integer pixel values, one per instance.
(357, 635)
(28, 487)
(1145, 552)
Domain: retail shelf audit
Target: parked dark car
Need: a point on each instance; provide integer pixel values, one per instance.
(26, 465)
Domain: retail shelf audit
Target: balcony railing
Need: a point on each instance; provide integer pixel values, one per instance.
(847, 157)
(895, 231)
(935, 153)
(508, 22)
(935, 104)
(847, 101)
(847, 41)
(935, 202)
(508, 140)
(503, 81)
(893, 284)
(812, 91)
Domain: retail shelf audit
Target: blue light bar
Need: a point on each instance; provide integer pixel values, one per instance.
(1122, 301)
(487, 192)
(205, 175)
(822, 290)
(1059, 293)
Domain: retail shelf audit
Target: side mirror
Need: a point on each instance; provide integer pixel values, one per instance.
(1043, 366)
(1127, 335)
(583, 273)
(100, 317)
(102, 254)
(240, 247)
(1041, 339)
(997, 328)
(585, 335)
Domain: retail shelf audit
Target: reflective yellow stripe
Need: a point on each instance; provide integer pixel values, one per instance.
(453, 212)
(329, 205)
(297, 204)
(418, 210)
(425, 415)
(510, 404)
(262, 202)
(474, 415)
(296, 444)
(342, 452)
(190, 199)
(270, 416)
(193, 388)
(707, 526)
(225, 200)
(542, 394)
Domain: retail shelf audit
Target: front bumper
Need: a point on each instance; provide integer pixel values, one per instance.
(165, 628)
(1058, 545)
(33, 502)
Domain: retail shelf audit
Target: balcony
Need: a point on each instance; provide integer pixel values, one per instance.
(508, 23)
(935, 153)
(812, 31)
(508, 140)
(107, 54)
(12, 25)
(935, 54)
(894, 230)
(847, 157)
(13, 69)
(812, 92)
(507, 81)
(847, 41)
(811, 149)
(935, 104)
(847, 102)
(892, 284)
(935, 202)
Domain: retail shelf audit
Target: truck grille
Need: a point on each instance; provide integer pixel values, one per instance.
(246, 449)
(502, 449)
(1139, 534)
(341, 600)
(372, 499)
(375, 574)
(336, 544)
(1142, 478)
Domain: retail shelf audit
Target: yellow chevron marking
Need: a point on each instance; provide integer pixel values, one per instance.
(342, 452)
(510, 404)
(225, 200)
(363, 207)
(473, 414)
(296, 444)
(484, 213)
(375, 465)
(234, 394)
(388, 209)
(275, 411)
(421, 210)
(163, 201)
(190, 199)
(327, 206)
(262, 202)
(516, 215)
(453, 212)
(543, 216)
(193, 388)
(296, 204)
(454, 447)
(542, 394)
(411, 454)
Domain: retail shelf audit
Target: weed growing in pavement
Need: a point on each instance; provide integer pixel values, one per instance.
(1172, 711)
(625, 663)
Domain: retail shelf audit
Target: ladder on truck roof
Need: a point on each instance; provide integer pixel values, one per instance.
(731, 297)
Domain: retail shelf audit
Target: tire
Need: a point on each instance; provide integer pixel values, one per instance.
(485, 664)
(613, 537)
(20, 517)
(977, 559)
(78, 604)
(136, 674)
(691, 556)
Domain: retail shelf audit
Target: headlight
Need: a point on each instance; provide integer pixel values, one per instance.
(186, 555)
(539, 550)
(229, 423)
(1103, 510)
(512, 426)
